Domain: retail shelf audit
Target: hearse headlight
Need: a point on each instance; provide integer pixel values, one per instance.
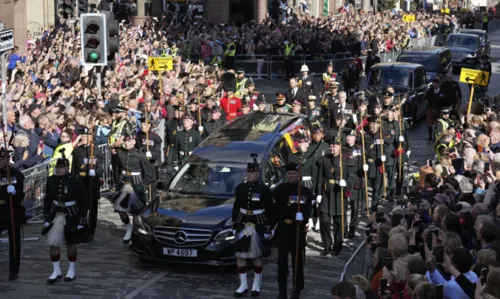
(221, 240)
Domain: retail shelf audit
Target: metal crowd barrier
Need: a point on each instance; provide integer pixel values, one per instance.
(317, 63)
(356, 264)
(254, 65)
(277, 65)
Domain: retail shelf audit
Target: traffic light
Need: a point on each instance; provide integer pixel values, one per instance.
(112, 35)
(83, 7)
(66, 8)
(93, 36)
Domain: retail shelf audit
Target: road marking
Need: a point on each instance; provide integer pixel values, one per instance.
(144, 286)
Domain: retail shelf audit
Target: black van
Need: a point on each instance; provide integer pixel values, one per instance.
(436, 60)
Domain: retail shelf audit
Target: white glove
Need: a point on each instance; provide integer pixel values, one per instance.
(46, 224)
(200, 128)
(148, 155)
(11, 189)
(92, 172)
(355, 118)
(365, 167)
(299, 216)
(382, 158)
(79, 227)
(176, 168)
(401, 138)
(318, 199)
(342, 183)
(408, 153)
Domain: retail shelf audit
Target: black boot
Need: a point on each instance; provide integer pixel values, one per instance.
(295, 295)
(13, 276)
(429, 133)
(351, 233)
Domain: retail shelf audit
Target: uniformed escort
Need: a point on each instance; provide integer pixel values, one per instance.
(187, 139)
(313, 113)
(328, 187)
(255, 96)
(172, 126)
(328, 77)
(119, 127)
(281, 106)
(149, 144)
(293, 213)
(88, 167)
(11, 185)
(253, 218)
(306, 82)
(65, 209)
(374, 159)
(353, 154)
(330, 99)
(215, 122)
(318, 148)
(137, 173)
(302, 158)
(392, 136)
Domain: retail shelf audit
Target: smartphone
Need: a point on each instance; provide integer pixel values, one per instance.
(388, 263)
(383, 285)
(439, 254)
(368, 232)
(428, 240)
(40, 144)
(439, 291)
(430, 163)
(409, 219)
(484, 275)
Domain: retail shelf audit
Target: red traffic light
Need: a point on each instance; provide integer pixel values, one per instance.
(92, 28)
(92, 43)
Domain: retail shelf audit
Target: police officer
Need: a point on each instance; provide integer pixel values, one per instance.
(215, 122)
(172, 126)
(374, 159)
(136, 171)
(328, 187)
(12, 195)
(87, 166)
(230, 55)
(289, 55)
(281, 106)
(306, 82)
(443, 122)
(354, 163)
(241, 83)
(253, 218)
(187, 139)
(313, 113)
(293, 213)
(65, 209)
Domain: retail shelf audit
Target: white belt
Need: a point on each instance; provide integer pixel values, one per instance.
(185, 153)
(64, 204)
(306, 178)
(130, 173)
(295, 201)
(251, 212)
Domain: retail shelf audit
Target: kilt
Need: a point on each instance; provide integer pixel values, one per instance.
(249, 242)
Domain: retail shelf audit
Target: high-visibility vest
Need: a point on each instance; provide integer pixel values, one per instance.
(289, 50)
(445, 127)
(240, 88)
(174, 51)
(68, 149)
(485, 19)
(116, 131)
(449, 145)
(229, 51)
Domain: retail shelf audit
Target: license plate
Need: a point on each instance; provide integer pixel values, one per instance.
(180, 252)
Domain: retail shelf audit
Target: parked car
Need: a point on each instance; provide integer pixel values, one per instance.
(191, 220)
(483, 37)
(409, 82)
(465, 50)
(436, 61)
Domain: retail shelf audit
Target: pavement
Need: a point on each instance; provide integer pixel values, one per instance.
(106, 268)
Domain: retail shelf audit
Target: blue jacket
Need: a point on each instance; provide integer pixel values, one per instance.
(13, 60)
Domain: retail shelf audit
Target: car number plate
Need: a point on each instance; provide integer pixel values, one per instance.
(180, 252)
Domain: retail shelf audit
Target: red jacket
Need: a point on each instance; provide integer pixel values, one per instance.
(232, 106)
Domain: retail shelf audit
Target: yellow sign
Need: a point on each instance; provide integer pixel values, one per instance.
(409, 18)
(476, 77)
(445, 10)
(160, 63)
(465, 10)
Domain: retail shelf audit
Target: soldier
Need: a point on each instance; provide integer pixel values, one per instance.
(281, 106)
(328, 197)
(306, 164)
(193, 111)
(350, 78)
(318, 148)
(253, 221)
(371, 60)
(306, 82)
(151, 141)
(453, 93)
(328, 77)
(187, 139)
(261, 105)
(215, 122)
(65, 211)
(231, 105)
(119, 127)
(374, 159)
(362, 111)
(15, 189)
(354, 163)
(296, 107)
(254, 96)
(406, 150)
(387, 99)
(341, 108)
(313, 113)
(392, 136)
(88, 167)
(172, 126)
(293, 213)
(443, 122)
(137, 172)
(434, 98)
(330, 99)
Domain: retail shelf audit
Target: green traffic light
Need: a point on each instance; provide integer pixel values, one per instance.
(94, 56)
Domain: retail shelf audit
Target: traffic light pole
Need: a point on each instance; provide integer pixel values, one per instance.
(98, 83)
(4, 88)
